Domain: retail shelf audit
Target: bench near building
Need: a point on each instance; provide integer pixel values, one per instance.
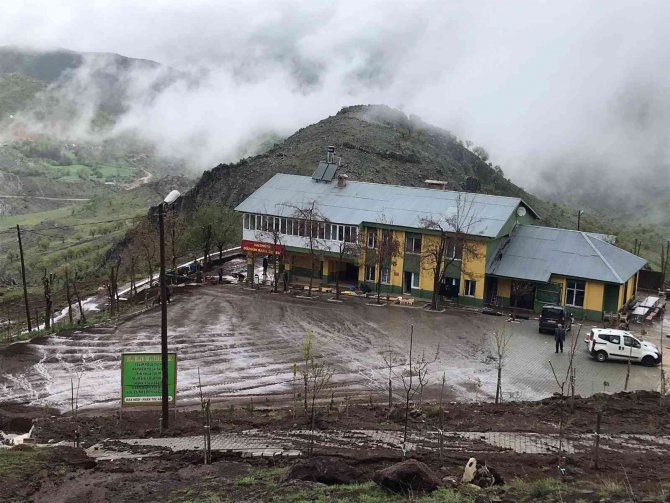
(499, 255)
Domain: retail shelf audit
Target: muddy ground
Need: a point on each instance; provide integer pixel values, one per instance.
(66, 475)
(242, 344)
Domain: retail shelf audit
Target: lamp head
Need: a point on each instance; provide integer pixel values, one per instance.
(171, 197)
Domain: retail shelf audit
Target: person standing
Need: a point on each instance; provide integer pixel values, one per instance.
(559, 337)
(265, 268)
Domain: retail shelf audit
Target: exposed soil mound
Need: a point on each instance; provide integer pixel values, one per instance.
(325, 470)
(409, 476)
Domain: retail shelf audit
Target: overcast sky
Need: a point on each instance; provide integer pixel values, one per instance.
(546, 87)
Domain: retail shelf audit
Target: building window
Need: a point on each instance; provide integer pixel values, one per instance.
(415, 280)
(454, 249)
(245, 221)
(369, 273)
(574, 293)
(386, 275)
(372, 238)
(469, 288)
(413, 244)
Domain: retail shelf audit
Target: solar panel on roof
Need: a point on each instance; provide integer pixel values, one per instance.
(320, 170)
(330, 172)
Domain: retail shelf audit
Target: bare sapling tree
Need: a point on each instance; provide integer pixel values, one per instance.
(319, 378)
(407, 382)
(205, 409)
(501, 339)
(294, 388)
(392, 359)
(307, 354)
(570, 372)
(421, 365)
(441, 417)
(447, 241)
(311, 227)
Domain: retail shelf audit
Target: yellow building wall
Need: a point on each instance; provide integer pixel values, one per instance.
(631, 286)
(474, 266)
(594, 295)
(427, 271)
(504, 287)
(397, 265)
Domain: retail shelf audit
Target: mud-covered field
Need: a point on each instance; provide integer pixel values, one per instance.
(241, 344)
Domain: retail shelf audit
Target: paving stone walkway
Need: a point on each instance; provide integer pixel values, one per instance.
(256, 443)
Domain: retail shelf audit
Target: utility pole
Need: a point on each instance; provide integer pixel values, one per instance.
(169, 199)
(23, 277)
(164, 345)
(579, 219)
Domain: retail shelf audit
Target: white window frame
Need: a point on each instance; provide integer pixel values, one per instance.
(571, 293)
(469, 287)
(370, 269)
(386, 275)
(372, 238)
(415, 280)
(412, 240)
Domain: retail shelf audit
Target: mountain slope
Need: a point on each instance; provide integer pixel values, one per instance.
(377, 144)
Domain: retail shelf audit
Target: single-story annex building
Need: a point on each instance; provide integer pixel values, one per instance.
(503, 258)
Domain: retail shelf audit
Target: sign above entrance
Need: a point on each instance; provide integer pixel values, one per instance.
(262, 248)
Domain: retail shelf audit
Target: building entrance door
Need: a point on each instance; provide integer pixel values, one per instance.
(407, 282)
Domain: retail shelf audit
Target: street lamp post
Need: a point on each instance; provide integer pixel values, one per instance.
(169, 199)
(579, 219)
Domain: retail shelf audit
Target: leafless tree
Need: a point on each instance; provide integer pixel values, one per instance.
(319, 378)
(501, 338)
(68, 297)
(391, 360)
(571, 372)
(407, 383)
(311, 226)
(422, 365)
(82, 315)
(451, 241)
(386, 249)
(307, 353)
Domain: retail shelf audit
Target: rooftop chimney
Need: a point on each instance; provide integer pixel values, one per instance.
(342, 180)
(330, 155)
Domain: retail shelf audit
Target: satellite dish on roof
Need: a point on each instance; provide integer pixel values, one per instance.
(521, 211)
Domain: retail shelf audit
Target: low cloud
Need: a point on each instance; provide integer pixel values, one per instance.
(555, 91)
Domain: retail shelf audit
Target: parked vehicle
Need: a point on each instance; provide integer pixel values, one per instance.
(613, 344)
(552, 315)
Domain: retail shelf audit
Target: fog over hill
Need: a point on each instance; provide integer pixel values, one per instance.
(569, 98)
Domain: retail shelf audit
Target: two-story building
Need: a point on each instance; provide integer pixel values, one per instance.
(325, 224)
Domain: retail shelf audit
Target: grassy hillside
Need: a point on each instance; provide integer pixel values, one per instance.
(78, 235)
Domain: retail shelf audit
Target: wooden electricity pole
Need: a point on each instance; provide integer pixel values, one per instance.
(23, 277)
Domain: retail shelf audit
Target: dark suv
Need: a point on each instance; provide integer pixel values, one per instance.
(551, 316)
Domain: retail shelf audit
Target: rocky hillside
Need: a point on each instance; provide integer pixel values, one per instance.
(377, 144)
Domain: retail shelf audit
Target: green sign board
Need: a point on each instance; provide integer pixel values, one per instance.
(141, 379)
